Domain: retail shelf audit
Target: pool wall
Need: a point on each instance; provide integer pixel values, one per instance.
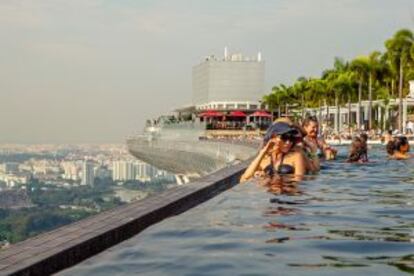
(64, 247)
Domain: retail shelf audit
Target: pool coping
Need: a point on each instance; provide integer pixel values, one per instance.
(68, 245)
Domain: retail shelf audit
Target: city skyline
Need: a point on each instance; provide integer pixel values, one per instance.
(93, 71)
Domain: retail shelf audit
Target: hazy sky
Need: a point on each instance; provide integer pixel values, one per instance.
(94, 70)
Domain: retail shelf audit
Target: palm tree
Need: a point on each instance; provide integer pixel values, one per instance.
(374, 66)
(360, 67)
(274, 99)
(383, 93)
(299, 89)
(398, 51)
(331, 76)
(343, 87)
(317, 93)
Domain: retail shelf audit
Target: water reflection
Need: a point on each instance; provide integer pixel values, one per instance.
(403, 263)
(277, 185)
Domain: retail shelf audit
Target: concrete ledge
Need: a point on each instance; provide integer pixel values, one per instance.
(66, 246)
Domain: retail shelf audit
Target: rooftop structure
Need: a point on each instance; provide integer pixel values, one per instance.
(232, 82)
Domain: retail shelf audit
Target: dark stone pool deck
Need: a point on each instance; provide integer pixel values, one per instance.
(53, 251)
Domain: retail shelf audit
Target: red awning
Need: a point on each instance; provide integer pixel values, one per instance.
(237, 113)
(261, 114)
(211, 113)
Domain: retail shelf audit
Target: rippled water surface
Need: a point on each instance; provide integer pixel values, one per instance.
(351, 218)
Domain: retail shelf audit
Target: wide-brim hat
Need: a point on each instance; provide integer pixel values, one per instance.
(279, 128)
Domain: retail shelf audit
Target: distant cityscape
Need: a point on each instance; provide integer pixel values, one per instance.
(46, 186)
(71, 166)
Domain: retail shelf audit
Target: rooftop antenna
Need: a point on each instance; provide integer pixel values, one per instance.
(225, 53)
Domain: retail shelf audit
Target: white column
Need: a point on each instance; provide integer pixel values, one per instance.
(386, 117)
(365, 112)
(358, 117)
(340, 120)
(336, 123)
(379, 114)
(404, 114)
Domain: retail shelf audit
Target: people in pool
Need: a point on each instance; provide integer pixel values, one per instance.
(312, 161)
(311, 126)
(358, 151)
(398, 148)
(278, 154)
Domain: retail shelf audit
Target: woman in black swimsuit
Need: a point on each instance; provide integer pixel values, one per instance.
(277, 156)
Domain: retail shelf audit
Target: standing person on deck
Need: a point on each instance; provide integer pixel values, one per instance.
(311, 126)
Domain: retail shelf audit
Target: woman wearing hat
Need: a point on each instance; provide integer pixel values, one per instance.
(277, 156)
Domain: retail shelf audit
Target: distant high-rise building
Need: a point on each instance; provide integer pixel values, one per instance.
(70, 170)
(144, 172)
(87, 173)
(10, 167)
(123, 170)
(233, 82)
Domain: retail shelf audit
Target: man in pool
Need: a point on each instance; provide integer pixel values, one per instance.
(313, 143)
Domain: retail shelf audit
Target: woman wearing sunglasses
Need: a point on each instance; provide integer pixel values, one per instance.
(278, 155)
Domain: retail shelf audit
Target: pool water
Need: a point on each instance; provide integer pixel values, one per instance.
(351, 218)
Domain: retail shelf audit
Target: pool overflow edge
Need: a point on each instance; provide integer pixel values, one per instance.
(71, 244)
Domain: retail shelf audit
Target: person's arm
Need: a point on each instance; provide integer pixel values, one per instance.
(300, 164)
(252, 168)
(400, 156)
(311, 160)
(328, 151)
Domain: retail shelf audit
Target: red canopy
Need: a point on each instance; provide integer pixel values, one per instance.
(237, 113)
(211, 113)
(261, 114)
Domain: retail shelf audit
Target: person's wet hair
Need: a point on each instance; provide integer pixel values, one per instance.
(396, 144)
(309, 119)
(364, 137)
(399, 142)
(357, 150)
(390, 147)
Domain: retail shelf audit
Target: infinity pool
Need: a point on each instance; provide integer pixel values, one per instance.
(351, 218)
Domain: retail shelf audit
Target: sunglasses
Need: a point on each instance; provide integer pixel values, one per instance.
(288, 137)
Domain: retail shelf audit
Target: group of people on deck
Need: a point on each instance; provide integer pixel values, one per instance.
(292, 149)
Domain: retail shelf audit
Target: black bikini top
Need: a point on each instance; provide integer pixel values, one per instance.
(281, 169)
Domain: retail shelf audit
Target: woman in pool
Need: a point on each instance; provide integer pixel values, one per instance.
(398, 148)
(278, 155)
(358, 151)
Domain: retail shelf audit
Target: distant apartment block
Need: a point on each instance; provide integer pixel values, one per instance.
(233, 82)
(144, 172)
(136, 170)
(88, 173)
(70, 171)
(123, 171)
(9, 167)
